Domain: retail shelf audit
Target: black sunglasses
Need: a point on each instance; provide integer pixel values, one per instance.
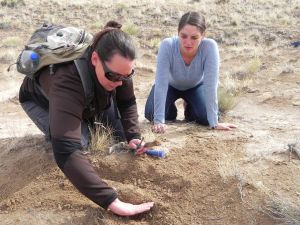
(113, 76)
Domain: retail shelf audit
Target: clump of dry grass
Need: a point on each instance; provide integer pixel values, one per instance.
(254, 65)
(227, 168)
(131, 29)
(12, 3)
(11, 42)
(282, 210)
(96, 25)
(101, 138)
(7, 56)
(154, 43)
(227, 100)
(276, 206)
(227, 94)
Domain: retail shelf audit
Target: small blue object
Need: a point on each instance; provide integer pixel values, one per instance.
(34, 56)
(156, 153)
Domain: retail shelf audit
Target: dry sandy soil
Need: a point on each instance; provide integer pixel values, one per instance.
(246, 176)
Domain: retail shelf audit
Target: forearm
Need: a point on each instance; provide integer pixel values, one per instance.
(82, 175)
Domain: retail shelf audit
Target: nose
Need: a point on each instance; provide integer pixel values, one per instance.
(189, 41)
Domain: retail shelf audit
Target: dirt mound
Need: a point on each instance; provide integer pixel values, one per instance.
(246, 176)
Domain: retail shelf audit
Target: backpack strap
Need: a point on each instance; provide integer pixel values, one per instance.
(86, 79)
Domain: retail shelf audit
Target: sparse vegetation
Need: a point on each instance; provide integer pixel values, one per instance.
(101, 138)
(227, 100)
(131, 29)
(154, 43)
(5, 24)
(121, 6)
(281, 209)
(10, 42)
(7, 57)
(96, 26)
(228, 168)
(254, 65)
(12, 3)
(228, 93)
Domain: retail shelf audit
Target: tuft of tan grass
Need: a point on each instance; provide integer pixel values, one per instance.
(254, 65)
(273, 205)
(131, 29)
(121, 6)
(226, 99)
(279, 208)
(11, 42)
(227, 168)
(282, 210)
(154, 43)
(8, 56)
(12, 3)
(229, 90)
(101, 138)
(96, 26)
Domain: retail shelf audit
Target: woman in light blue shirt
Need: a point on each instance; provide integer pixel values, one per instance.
(187, 68)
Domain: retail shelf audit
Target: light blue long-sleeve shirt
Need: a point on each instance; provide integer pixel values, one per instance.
(172, 70)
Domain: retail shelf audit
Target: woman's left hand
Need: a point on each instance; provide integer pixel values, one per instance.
(225, 126)
(137, 145)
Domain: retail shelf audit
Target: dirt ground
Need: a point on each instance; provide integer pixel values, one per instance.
(245, 176)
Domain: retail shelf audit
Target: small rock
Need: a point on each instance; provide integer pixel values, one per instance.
(296, 103)
(62, 185)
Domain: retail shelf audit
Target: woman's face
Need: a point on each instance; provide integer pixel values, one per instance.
(190, 38)
(118, 64)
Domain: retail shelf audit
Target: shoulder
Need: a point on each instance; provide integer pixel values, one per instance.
(208, 43)
(66, 82)
(168, 43)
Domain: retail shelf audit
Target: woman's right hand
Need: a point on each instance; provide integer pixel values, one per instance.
(159, 128)
(126, 209)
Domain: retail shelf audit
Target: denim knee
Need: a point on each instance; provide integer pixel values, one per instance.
(149, 107)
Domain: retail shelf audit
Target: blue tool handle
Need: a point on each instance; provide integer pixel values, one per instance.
(156, 153)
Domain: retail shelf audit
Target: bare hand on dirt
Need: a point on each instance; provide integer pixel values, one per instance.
(225, 126)
(126, 209)
(159, 128)
(137, 145)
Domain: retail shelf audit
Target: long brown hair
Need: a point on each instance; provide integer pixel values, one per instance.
(112, 40)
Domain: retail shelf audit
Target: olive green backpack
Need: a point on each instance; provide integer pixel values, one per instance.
(57, 44)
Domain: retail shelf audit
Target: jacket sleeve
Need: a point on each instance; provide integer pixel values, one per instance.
(66, 104)
(127, 106)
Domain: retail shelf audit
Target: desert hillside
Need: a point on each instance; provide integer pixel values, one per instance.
(247, 176)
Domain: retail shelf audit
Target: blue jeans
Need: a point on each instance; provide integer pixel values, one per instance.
(195, 109)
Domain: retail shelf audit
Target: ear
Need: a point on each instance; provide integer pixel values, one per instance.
(94, 58)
